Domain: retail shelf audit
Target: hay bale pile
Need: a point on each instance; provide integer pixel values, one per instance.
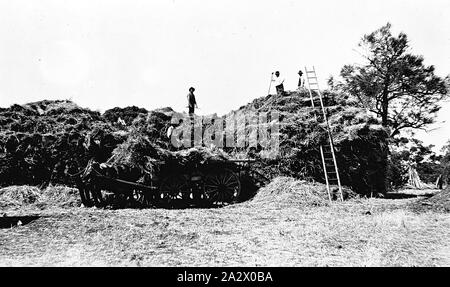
(360, 140)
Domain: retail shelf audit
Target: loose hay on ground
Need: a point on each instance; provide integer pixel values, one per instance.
(32, 196)
(342, 234)
(438, 202)
(19, 195)
(289, 191)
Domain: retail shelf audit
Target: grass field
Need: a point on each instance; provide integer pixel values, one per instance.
(274, 231)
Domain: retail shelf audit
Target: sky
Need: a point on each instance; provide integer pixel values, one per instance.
(103, 54)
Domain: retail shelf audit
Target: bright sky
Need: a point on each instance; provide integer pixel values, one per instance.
(103, 54)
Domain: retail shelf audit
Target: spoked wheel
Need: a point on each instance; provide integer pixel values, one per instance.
(222, 187)
(174, 191)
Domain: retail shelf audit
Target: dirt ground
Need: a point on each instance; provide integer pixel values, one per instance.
(358, 232)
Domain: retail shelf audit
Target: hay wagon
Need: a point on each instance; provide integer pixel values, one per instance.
(214, 182)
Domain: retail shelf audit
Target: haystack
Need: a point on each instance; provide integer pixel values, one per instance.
(46, 141)
(414, 180)
(360, 140)
(287, 191)
(140, 152)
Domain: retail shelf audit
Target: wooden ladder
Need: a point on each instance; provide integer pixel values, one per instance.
(327, 151)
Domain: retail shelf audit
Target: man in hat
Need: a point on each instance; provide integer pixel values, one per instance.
(301, 82)
(192, 103)
(279, 81)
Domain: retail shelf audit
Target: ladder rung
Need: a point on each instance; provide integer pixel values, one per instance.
(330, 168)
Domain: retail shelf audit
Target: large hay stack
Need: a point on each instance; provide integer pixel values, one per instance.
(46, 141)
(360, 140)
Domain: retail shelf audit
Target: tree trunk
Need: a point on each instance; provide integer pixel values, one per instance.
(385, 105)
(385, 123)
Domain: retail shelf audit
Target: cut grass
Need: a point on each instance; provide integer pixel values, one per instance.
(358, 232)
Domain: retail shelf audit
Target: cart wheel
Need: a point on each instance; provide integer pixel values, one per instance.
(222, 187)
(174, 190)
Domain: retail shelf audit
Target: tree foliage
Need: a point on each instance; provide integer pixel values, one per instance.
(445, 161)
(393, 83)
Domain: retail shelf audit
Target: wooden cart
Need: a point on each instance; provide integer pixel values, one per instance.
(212, 183)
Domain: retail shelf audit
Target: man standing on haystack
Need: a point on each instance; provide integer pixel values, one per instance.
(301, 82)
(279, 81)
(192, 103)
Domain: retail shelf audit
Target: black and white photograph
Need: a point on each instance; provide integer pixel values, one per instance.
(226, 134)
